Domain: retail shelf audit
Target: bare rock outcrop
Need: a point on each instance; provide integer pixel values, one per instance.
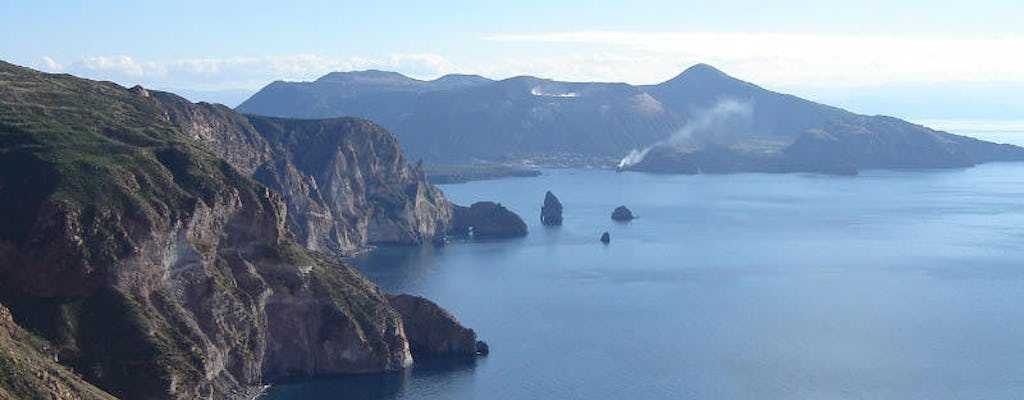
(345, 181)
(551, 211)
(486, 220)
(621, 213)
(433, 331)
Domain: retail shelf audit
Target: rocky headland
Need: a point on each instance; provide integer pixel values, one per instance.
(160, 249)
(433, 331)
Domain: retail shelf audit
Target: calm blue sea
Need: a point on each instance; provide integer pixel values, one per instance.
(887, 285)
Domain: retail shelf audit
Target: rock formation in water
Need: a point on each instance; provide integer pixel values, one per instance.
(432, 330)
(583, 124)
(606, 238)
(135, 244)
(486, 219)
(551, 211)
(621, 213)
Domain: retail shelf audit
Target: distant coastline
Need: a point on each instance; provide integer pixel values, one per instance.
(448, 174)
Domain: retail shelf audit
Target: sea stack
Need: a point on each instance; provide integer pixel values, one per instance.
(606, 238)
(551, 212)
(622, 213)
(486, 220)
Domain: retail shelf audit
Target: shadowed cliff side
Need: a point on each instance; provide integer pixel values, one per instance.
(433, 331)
(156, 269)
(28, 369)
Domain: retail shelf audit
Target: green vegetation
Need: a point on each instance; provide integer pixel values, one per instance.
(97, 191)
(27, 369)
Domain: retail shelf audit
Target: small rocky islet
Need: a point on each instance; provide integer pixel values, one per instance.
(622, 214)
(551, 211)
(486, 220)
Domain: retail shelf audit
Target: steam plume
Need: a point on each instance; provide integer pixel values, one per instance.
(716, 124)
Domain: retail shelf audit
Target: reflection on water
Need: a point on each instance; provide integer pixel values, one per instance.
(439, 373)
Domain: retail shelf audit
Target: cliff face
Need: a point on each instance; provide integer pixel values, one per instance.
(353, 174)
(345, 181)
(432, 330)
(153, 267)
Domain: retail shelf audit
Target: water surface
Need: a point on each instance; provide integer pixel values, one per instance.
(887, 285)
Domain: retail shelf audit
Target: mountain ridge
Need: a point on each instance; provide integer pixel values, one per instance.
(539, 121)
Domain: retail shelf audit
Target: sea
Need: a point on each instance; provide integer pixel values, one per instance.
(886, 285)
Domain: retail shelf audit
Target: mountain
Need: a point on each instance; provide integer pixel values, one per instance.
(512, 119)
(702, 120)
(141, 257)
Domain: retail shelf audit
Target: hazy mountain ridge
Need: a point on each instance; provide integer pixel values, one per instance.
(511, 119)
(564, 123)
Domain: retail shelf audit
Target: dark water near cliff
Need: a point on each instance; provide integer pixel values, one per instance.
(888, 285)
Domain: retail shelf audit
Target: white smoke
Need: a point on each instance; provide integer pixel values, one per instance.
(705, 126)
(537, 92)
(635, 156)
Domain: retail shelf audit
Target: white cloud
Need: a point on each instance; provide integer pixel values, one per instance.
(773, 59)
(115, 65)
(789, 59)
(48, 64)
(239, 72)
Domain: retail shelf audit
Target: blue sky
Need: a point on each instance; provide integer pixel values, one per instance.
(811, 47)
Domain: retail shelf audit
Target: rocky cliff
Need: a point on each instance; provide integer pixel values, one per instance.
(345, 180)
(135, 244)
(432, 330)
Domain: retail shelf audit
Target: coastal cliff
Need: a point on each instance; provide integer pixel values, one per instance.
(345, 181)
(136, 245)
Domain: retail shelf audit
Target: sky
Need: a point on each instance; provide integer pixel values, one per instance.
(858, 53)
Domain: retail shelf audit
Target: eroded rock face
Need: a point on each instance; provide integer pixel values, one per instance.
(345, 181)
(432, 330)
(311, 313)
(621, 213)
(551, 212)
(155, 268)
(485, 219)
